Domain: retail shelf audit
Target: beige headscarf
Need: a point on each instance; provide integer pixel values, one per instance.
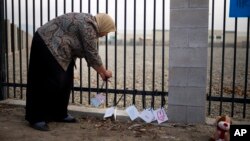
(105, 23)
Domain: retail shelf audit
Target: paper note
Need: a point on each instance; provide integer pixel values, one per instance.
(160, 115)
(95, 102)
(98, 100)
(147, 115)
(109, 112)
(132, 112)
(152, 112)
(101, 98)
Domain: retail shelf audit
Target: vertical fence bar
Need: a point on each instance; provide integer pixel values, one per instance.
(80, 6)
(48, 10)
(97, 6)
(223, 57)
(89, 72)
(234, 66)
(56, 8)
(80, 80)
(115, 51)
(64, 6)
(89, 84)
(134, 53)
(7, 48)
(163, 101)
(80, 64)
(34, 17)
(163, 45)
(246, 69)
(125, 51)
(73, 92)
(13, 48)
(211, 60)
(153, 99)
(72, 6)
(144, 55)
(2, 50)
(153, 73)
(20, 47)
(106, 56)
(27, 35)
(97, 11)
(41, 12)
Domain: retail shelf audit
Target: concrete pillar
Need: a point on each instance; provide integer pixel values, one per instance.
(188, 60)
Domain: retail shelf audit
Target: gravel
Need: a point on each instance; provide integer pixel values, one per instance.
(125, 79)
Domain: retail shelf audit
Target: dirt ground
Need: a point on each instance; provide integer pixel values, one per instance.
(13, 127)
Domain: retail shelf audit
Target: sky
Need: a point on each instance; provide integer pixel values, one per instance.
(219, 13)
(102, 8)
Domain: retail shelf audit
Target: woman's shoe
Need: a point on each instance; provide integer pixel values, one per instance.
(69, 118)
(42, 126)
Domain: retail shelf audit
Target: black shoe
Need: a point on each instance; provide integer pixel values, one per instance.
(42, 126)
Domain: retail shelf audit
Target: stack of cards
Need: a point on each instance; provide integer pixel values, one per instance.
(148, 115)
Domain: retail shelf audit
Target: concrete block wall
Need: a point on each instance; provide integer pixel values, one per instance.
(188, 60)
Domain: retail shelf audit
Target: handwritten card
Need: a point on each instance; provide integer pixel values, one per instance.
(109, 112)
(152, 112)
(160, 115)
(98, 100)
(132, 112)
(100, 97)
(95, 102)
(147, 115)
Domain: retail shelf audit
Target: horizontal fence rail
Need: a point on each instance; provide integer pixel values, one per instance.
(229, 86)
(137, 52)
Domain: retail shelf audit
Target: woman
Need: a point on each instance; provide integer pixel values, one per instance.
(55, 47)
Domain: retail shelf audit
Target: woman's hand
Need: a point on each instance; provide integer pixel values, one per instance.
(105, 74)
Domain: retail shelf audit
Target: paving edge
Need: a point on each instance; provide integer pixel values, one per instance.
(121, 115)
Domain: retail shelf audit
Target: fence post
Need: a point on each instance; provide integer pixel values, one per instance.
(188, 60)
(2, 49)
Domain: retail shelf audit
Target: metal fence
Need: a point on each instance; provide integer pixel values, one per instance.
(136, 53)
(228, 86)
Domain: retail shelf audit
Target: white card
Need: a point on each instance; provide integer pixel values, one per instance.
(109, 112)
(147, 115)
(100, 97)
(132, 112)
(95, 102)
(98, 100)
(152, 112)
(160, 115)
